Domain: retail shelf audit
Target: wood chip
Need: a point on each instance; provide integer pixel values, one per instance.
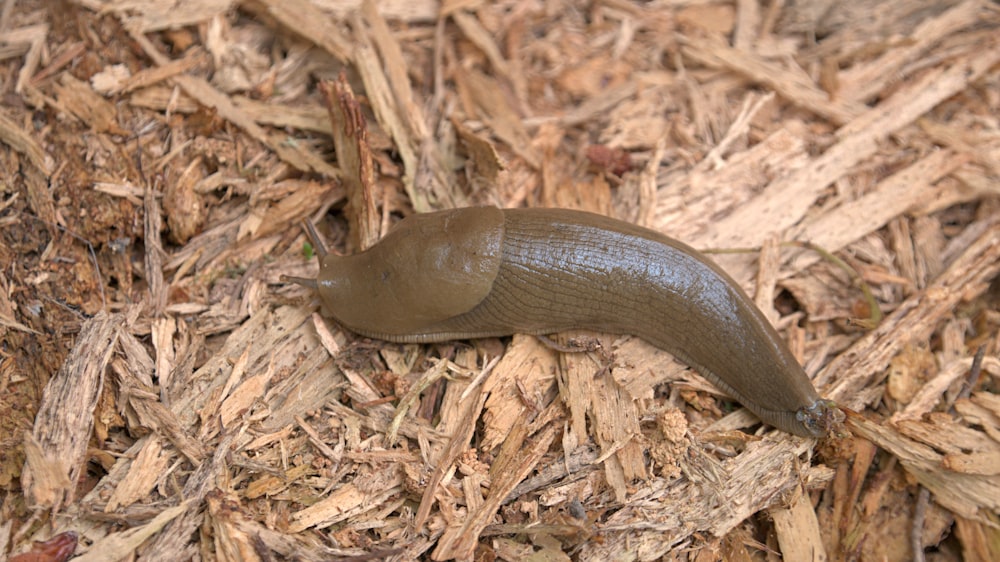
(161, 155)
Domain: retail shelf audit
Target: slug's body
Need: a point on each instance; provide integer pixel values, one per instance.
(480, 272)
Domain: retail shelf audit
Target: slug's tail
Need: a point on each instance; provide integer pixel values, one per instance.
(822, 418)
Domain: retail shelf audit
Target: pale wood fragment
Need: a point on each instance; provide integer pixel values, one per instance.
(788, 198)
(30, 40)
(343, 503)
(792, 85)
(431, 174)
(79, 99)
(896, 194)
(914, 319)
(146, 470)
(207, 95)
(229, 391)
(517, 458)
(18, 139)
(350, 137)
(496, 110)
(967, 494)
(303, 18)
(123, 544)
(662, 515)
(798, 530)
(862, 81)
(526, 364)
(57, 446)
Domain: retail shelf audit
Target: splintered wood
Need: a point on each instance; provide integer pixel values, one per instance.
(169, 396)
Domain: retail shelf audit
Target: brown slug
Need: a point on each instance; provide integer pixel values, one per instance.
(482, 272)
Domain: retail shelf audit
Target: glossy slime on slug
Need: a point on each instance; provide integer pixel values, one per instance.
(483, 272)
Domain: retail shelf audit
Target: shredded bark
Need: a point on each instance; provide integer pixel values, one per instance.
(167, 395)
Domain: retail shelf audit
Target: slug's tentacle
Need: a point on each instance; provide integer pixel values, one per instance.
(314, 238)
(318, 246)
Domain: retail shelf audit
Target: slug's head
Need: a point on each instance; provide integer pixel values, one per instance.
(430, 268)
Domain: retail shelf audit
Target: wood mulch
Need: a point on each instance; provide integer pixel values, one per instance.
(165, 395)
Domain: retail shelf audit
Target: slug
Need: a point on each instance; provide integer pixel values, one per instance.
(484, 272)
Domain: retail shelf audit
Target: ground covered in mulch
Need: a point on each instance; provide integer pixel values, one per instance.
(165, 394)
